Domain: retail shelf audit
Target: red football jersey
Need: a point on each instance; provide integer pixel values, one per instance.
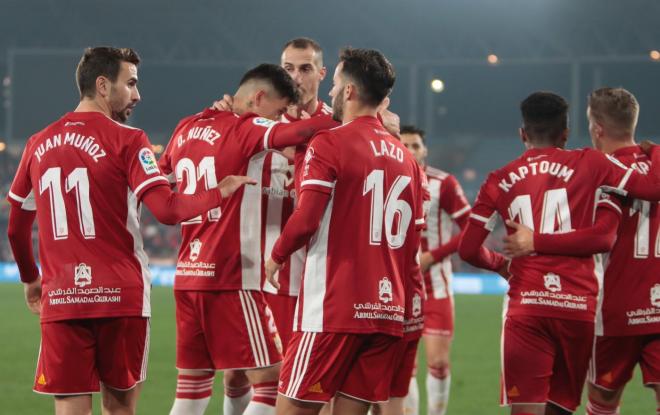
(85, 175)
(222, 249)
(551, 191)
(448, 202)
(631, 289)
(281, 182)
(357, 261)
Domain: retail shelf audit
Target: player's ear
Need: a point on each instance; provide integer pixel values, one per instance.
(350, 91)
(523, 135)
(102, 86)
(323, 72)
(259, 97)
(563, 139)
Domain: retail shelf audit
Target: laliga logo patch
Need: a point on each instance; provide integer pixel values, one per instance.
(385, 290)
(552, 282)
(417, 305)
(148, 161)
(195, 247)
(82, 275)
(655, 295)
(263, 122)
(309, 155)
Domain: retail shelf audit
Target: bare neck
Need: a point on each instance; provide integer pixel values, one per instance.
(610, 145)
(310, 106)
(93, 105)
(352, 112)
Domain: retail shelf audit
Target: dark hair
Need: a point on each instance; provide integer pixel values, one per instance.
(545, 116)
(304, 43)
(411, 129)
(101, 61)
(276, 76)
(372, 73)
(615, 108)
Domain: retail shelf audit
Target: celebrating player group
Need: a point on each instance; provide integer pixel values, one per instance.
(316, 242)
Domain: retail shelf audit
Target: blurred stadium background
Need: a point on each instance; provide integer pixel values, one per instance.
(462, 68)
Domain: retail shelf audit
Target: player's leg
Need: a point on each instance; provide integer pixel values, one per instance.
(66, 366)
(238, 392)
(119, 402)
(438, 377)
(121, 357)
(288, 406)
(196, 370)
(402, 378)
(345, 405)
(264, 385)
(612, 363)
(650, 365)
(73, 405)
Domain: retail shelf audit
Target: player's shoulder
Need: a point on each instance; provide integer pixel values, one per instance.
(434, 173)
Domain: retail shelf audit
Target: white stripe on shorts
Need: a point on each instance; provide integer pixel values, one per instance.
(261, 338)
(300, 363)
(254, 329)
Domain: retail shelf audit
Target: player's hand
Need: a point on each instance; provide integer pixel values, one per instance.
(230, 184)
(504, 270)
(519, 243)
(32, 292)
(647, 146)
(271, 268)
(426, 260)
(224, 104)
(289, 153)
(391, 121)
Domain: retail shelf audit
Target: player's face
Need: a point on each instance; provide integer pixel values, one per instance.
(337, 94)
(270, 105)
(304, 67)
(124, 94)
(415, 145)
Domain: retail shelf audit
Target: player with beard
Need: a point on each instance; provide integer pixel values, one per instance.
(550, 306)
(341, 334)
(85, 175)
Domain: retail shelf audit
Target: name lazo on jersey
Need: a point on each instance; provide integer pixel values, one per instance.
(387, 149)
(84, 143)
(544, 167)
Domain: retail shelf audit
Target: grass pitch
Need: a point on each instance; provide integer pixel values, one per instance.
(475, 360)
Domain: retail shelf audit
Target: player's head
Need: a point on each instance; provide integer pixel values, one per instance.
(266, 90)
(362, 79)
(302, 58)
(612, 114)
(413, 138)
(110, 74)
(545, 120)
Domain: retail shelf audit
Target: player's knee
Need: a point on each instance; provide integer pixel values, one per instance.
(235, 379)
(602, 396)
(266, 374)
(438, 368)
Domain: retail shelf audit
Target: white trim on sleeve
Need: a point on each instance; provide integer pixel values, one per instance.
(318, 183)
(149, 181)
(479, 218)
(420, 221)
(609, 202)
(16, 197)
(460, 212)
(267, 135)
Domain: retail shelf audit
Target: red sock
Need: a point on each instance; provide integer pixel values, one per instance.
(194, 386)
(265, 393)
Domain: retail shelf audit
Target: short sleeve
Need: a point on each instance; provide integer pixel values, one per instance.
(423, 197)
(609, 201)
(165, 161)
(255, 133)
(21, 193)
(453, 200)
(320, 166)
(141, 168)
(484, 211)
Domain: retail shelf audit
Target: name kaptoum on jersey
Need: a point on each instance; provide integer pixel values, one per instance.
(544, 167)
(84, 143)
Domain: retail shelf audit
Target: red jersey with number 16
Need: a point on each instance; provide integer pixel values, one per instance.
(551, 191)
(358, 260)
(85, 175)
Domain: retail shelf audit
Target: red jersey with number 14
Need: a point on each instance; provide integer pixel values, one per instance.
(358, 260)
(631, 289)
(85, 175)
(551, 191)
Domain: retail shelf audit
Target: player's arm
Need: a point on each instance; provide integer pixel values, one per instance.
(438, 254)
(630, 182)
(582, 242)
(19, 233)
(299, 229)
(171, 208)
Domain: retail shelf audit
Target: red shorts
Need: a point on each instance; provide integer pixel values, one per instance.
(76, 355)
(404, 368)
(439, 317)
(319, 365)
(283, 308)
(545, 360)
(614, 360)
(220, 330)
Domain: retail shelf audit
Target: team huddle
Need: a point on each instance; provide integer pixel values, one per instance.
(316, 242)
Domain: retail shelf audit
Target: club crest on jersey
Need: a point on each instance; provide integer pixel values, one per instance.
(263, 122)
(82, 275)
(416, 305)
(655, 295)
(148, 161)
(385, 290)
(195, 247)
(552, 282)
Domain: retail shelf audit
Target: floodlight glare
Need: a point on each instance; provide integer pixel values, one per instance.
(437, 86)
(493, 59)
